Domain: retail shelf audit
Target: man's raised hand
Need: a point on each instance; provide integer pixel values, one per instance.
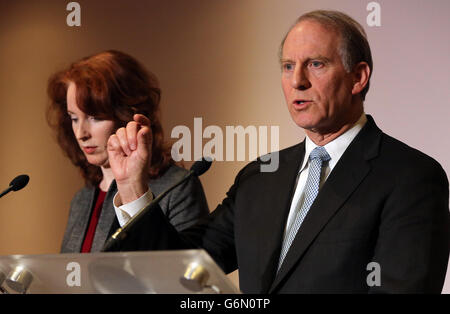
(129, 153)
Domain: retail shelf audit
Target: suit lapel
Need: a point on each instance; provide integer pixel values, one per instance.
(83, 209)
(275, 214)
(106, 219)
(350, 171)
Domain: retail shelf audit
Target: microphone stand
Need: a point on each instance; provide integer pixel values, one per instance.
(121, 232)
(9, 189)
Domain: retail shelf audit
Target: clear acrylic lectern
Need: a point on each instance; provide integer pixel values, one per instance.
(183, 271)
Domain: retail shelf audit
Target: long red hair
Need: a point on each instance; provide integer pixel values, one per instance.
(110, 85)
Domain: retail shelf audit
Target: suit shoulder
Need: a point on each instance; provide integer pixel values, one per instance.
(254, 167)
(172, 175)
(408, 158)
(81, 194)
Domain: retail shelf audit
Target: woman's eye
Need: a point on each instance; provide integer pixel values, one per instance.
(95, 118)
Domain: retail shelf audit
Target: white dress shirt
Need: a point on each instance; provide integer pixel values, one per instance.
(335, 149)
(125, 212)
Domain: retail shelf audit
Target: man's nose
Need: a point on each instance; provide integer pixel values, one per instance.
(299, 79)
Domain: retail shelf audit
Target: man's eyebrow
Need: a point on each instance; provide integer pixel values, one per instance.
(318, 57)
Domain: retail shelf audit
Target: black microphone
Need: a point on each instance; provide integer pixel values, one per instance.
(197, 169)
(16, 184)
(201, 166)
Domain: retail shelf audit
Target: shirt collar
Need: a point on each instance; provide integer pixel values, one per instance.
(337, 147)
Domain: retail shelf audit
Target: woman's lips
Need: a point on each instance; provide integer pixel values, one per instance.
(89, 149)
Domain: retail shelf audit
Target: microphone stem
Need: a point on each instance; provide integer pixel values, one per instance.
(121, 233)
(6, 191)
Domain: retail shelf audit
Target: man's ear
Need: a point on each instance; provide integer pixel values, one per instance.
(361, 74)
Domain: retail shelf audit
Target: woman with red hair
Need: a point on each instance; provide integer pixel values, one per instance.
(89, 102)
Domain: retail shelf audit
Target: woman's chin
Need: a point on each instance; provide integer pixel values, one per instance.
(98, 162)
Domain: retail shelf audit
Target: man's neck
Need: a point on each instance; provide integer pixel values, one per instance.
(322, 138)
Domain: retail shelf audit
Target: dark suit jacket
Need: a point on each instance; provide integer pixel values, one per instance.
(183, 207)
(383, 202)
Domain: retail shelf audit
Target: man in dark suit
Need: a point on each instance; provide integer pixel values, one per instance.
(349, 210)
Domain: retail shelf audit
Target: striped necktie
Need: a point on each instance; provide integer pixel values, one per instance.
(316, 159)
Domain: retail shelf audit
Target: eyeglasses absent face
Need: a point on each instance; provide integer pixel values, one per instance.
(92, 134)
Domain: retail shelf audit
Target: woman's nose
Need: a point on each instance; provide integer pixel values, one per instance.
(82, 130)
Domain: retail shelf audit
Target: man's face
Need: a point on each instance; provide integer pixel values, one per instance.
(317, 88)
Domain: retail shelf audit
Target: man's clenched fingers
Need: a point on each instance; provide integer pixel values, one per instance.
(131, 132)
(113, 144)
(142, 120)
(123, 140)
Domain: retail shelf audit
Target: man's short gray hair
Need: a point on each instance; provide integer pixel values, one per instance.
(353, 48)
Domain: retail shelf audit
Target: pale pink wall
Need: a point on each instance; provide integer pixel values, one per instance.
(216, 60)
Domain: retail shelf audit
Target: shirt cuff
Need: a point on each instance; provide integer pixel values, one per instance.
(126, 211)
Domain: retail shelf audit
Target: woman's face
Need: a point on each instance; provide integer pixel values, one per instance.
(92, 134)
